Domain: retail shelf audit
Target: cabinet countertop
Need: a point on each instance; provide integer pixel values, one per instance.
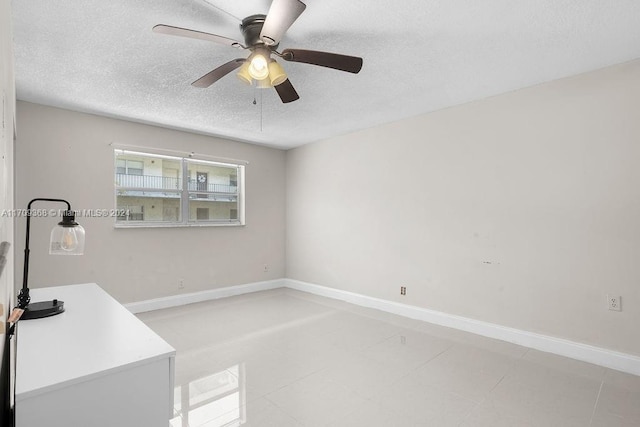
(95, 336)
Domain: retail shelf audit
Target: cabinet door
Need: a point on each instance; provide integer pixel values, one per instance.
(137, 396)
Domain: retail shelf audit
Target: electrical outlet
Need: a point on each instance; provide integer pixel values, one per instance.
(403, 290)
(180, 283)
(266, 268)
(614, 302)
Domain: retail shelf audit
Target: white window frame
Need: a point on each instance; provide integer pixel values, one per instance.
(184, 191)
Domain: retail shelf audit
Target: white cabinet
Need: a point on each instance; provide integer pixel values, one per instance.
(95, 365)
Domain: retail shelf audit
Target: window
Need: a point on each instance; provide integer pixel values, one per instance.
(158, 190)
(202, 214)
(130, 213)
(129, 167)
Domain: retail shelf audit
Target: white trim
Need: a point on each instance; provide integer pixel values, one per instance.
(587, 353)
(190, 298)
(175, 154)
(563, 347)
(152, 224)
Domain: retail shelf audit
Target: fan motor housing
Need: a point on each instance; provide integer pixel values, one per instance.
(251, 27)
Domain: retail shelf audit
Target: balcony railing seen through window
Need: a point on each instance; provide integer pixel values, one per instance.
(148, 181)
(178, 191)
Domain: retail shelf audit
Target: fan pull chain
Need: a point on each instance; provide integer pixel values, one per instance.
(255, 102)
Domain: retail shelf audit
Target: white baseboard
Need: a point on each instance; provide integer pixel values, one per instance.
(190, 298)
(599, 356)
(587, 353)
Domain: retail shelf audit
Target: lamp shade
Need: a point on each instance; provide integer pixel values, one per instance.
(67, 238)
(243, 73)
(276, 73)
(263, 84)
(258, 64)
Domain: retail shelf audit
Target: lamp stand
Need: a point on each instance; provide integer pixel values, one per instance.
(36, 310)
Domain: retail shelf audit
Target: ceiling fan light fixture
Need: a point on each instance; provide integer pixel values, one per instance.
(263, 84)
(277, 74)
(262, 35)
(259, 65)
(243, 74)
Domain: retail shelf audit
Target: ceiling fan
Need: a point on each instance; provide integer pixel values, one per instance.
(262, 35)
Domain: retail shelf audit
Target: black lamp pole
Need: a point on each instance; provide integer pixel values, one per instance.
(47, 308)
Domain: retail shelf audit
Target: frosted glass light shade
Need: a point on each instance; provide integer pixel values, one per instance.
(67, 240)
(276, 73)
(258, 66)
(243, 73)
(263, 84)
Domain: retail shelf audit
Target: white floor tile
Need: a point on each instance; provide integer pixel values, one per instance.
(418, 400)
(365, 377)
(468, 371)
(286, 358)
(540, 394)
(619, 401)
(370, 414)
(315, 400)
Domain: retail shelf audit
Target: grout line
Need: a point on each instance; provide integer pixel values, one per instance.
(284, 411)
(595, 406)
(438, 355)
(419, 366)
(485, 398)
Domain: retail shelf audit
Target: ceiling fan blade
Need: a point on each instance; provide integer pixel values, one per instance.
(351, 64)
(286, 92)
(282, 14)
(184, 32)
(213, 76)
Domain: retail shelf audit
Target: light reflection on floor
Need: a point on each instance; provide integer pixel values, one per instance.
(217, 400)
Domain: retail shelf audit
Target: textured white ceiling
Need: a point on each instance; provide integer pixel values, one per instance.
(419, 56)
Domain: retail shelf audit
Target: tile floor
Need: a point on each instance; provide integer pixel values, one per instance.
(286, 358)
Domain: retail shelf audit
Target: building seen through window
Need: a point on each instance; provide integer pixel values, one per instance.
(165, 190)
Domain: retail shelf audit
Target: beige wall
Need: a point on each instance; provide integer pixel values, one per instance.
(521, 210)
(64, 154)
